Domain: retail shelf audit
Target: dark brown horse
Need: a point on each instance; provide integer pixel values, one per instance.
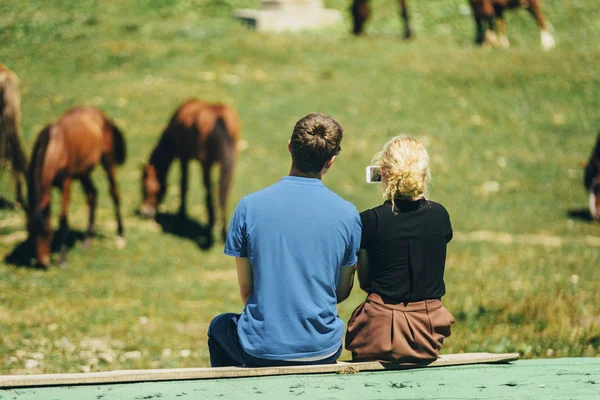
(492, 13)
(11, 145)
(64, 151)
(361, 10)
(484, 11)
(591, 180)
(205, 132)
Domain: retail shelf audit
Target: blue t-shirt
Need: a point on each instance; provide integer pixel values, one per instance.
(297, 234)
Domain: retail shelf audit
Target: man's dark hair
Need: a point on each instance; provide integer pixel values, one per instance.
(316, 138)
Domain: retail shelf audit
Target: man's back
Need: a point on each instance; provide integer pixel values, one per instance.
(296, 234)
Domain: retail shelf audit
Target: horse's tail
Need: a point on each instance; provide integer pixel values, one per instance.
(11, 145)
(119, 147)
(221, 132)
(34, 174)
(592, 166)
(224, 144)
(597, 147)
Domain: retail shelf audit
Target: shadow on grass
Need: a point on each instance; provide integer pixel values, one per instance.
(6, 204)
(187, 228)
(582, 214)
(23, 255)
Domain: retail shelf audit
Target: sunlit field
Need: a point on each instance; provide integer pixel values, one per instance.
(505, 129)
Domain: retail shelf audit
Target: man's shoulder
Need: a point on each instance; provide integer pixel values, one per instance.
(259, 195)
(341, 203)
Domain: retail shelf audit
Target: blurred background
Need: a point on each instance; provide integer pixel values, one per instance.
(505, 130)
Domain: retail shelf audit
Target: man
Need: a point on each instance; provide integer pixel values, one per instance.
(296, 245)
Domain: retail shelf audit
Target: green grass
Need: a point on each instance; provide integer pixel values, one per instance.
(520, 117)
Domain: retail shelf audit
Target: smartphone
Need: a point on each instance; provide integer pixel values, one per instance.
(373, 174)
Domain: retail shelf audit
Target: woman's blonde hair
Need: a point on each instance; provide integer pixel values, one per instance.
(404, 169)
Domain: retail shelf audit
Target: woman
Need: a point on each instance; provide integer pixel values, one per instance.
(401, 265)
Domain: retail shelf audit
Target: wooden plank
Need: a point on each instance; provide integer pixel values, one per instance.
(148, 375)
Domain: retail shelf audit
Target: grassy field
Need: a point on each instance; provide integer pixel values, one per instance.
(505, 130)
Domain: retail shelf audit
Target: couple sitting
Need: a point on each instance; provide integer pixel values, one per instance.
(296, 245)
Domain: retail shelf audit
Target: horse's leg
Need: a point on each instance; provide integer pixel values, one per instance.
(91, 194)
(64, 225)
(479, 17)
(503, 39)
(19, 187)
(535, 10)
(184, 187)
(360, 13)
(404, 12)
(488, 13)
(479, 31)
(114, 193)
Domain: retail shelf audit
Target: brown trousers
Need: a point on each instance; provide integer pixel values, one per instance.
(411, 334)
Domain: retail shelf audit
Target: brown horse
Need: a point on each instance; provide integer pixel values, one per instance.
(360, 10)
(205, 132)
(11, 145)
(492, 13)
(64, 151)
(591, 180)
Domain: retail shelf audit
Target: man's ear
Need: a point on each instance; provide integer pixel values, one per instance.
(329, 163)
(290, 145)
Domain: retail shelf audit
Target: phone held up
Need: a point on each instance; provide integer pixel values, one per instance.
(373, 174)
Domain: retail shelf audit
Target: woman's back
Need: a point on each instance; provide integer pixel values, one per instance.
(406, 249)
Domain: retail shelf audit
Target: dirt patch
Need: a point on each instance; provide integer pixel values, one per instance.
(538, 239)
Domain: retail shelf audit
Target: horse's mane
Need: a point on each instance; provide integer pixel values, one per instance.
(120, 149)
(34, 174)
(164, 152)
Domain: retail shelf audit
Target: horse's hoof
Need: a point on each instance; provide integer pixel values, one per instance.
(547, 40)
(63, 264)
(120, 242)
(86, 242)
(41, 266)
(147, 211)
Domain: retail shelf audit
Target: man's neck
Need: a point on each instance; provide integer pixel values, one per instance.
(295, 172)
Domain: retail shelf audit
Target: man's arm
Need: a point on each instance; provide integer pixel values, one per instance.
(345, 283)
(245, 278)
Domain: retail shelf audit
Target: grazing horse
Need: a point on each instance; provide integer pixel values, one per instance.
(591, 180)
(66, 150)
(205, 132)
(360, 13)
(492, 12)
(11, 146)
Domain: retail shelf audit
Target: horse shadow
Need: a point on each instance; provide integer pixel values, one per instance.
(582, 214)
(23, 255)
(186, 227)
(6, 204)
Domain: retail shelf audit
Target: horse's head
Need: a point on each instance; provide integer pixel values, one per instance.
(40, 235)
(592, 184)
(153, 190)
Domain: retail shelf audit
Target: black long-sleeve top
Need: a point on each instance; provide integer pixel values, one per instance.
(406, 249)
